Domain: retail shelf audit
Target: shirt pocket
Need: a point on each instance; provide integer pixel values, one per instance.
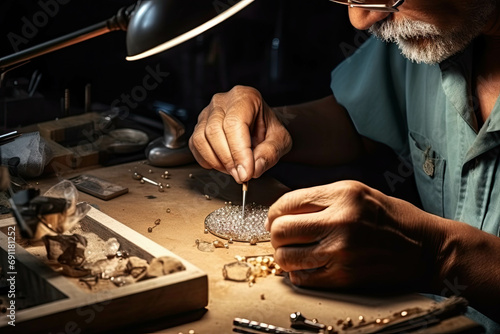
(429, 169)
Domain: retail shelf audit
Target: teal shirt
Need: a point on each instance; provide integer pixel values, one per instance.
(425, 113)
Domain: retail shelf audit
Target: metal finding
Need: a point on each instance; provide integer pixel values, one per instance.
(259, 265)
(157, 222)
(142, 179)
(298, 321)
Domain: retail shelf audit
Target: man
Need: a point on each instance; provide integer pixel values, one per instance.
(435, 106)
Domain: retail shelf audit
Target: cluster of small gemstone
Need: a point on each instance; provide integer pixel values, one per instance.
(227, 222)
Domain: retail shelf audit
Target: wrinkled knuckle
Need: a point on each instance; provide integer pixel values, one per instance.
(270, 153)
(355, 189)
(231, 123)
(246, 92)
(218, 99)
(243, 89)
(281, 260)
(277, 233)
(212, 129)
(197, 139)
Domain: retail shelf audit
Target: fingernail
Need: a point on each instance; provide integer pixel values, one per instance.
(260, 167)
(234, 174)
(242, 172)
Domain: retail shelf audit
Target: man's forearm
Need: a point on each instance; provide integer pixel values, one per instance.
(322, 133)
(471, 268)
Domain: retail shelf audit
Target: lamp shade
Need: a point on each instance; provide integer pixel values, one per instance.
(157, 25)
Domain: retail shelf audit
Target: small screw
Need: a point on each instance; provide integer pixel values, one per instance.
(157, 222)
(208, 197)
(168, 210)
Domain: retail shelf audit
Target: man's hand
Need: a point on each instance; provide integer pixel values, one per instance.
(347, 235)
(239, 134)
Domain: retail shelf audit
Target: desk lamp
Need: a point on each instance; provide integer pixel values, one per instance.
(152, 26)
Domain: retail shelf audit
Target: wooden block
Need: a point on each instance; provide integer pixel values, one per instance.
(68, 158)
(58, 305)
(70, 130)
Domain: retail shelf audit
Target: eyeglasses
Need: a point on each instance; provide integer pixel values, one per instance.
(373, 5)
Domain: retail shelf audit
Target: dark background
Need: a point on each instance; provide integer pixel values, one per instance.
(313, 35)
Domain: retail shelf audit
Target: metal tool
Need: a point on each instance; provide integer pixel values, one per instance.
(245, 189)
(248, 327)
(299, 321)
(8, 137)
(172, 148)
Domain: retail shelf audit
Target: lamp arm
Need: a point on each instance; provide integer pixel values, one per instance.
(117, 22)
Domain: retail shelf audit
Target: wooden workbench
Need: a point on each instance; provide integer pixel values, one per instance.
(270, 300)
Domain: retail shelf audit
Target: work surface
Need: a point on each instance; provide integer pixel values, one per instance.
(193, 193)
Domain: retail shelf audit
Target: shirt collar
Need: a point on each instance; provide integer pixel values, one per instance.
(461, 64)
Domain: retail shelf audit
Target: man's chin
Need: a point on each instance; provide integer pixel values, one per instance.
(421, 50)
(427, 50)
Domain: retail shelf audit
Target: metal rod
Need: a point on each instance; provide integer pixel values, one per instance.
(145, 179)
(117, 22)
(245, 189)
(55, 44)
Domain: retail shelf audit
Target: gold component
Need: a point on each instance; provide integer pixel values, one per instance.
(218, 244)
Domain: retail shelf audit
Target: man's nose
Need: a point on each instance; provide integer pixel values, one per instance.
(363, 19)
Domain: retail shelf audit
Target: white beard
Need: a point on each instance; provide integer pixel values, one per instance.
(423, 42)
